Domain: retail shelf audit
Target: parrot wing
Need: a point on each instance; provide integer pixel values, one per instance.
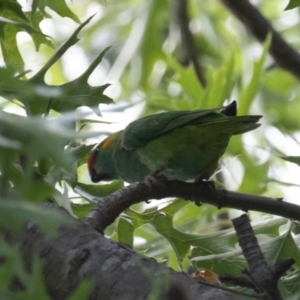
(142, 131)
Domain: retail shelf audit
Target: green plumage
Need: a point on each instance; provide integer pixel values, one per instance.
(182, 144)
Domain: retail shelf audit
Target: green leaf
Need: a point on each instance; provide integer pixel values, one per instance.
(81, 153)
(82, 210)
(125, 231)
(174, 207)
(12, 21)
(14, 213)
(151, 42)
(38, 38)
(36, 287)
(30, 133)
(9, 47)
(164, 225)
(11, 261)
(25, 138)
(140, 219)
(79, 93)
(93, 192)
(24, 26)
(11, 87)
(83, 291)
(249, 92)
(187, 78)
(65, 97)
(220, 85)
(292, 4)
(281, 248)
(59, 6)
(13, 9)
(73, 39)
(62, 199)
(248, 185)
(292, 283)
(12, 268)
(217, 251)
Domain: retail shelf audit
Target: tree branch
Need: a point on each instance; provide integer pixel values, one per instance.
(284, 55)
(109, 208)
(80, 253)
(189, 50)
(263, 277)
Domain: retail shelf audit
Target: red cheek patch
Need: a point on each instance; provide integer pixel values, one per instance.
(91, 161)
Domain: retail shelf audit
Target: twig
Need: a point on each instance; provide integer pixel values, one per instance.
(189, 50)
(264, 278)
(261, 277)
(284, 55)
(109, 208)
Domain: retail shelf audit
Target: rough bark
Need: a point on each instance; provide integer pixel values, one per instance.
(118, 272)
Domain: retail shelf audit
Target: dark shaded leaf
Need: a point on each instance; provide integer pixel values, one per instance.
(39, 138)
(65, 97)
(292, 4)
(14, 213)
(59, 6)
(82, 291)
(81, 153)
(292, 159)
(125, 231)
(12, 21)
(82, 210)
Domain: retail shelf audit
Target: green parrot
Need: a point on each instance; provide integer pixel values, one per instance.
(180, 145)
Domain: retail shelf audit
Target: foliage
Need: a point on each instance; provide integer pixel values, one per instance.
(44, 149)
(292, 4)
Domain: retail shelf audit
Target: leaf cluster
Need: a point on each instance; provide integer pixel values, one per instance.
(44, 151)
(40, 149)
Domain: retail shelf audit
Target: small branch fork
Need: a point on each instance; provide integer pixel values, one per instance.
(284, 55)
(261, 277)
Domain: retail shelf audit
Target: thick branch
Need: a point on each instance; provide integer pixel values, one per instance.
(284, 55)
(109, 208)
(118, 273)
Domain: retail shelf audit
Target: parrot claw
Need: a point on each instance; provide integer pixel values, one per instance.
(151, 180)
(154, 177)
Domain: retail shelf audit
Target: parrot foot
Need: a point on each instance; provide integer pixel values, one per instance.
(155, 176)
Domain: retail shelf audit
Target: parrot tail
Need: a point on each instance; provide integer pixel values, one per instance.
(246, 123)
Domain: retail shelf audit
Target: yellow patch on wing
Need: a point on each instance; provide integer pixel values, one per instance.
(107, 143)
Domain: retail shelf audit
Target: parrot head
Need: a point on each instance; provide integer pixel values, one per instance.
(100, 161)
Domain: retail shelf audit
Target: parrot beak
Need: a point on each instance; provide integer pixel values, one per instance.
(95, 177)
